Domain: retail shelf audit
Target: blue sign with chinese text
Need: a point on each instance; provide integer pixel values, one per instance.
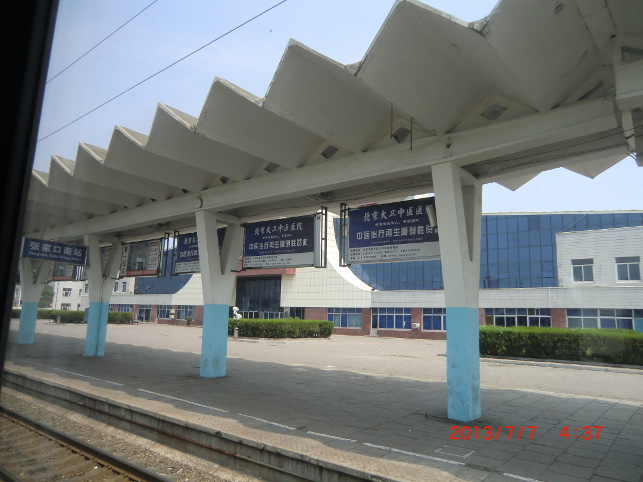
(280, 243)
(400, 231)
(53, 251)
(187, 254)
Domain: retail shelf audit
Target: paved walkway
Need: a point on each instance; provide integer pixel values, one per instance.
(375, 404)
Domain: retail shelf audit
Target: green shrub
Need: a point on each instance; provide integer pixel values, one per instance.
(65, 316)
(115, 317)
(609, 346)
(45, 314)
(281, 328)
(119, 317)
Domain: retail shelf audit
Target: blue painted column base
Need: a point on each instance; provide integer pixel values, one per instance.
(463, 364)
(27, 327)
(214, 344)
(96, 329)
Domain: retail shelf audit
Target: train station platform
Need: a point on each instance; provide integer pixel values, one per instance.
(352, 407)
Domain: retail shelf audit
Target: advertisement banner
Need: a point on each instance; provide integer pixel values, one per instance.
(187, 254)
(141, 259)
(53, 251)
(400, 231)
(281, 243)
(63, 272)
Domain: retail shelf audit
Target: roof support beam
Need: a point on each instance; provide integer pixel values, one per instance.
(468, 147)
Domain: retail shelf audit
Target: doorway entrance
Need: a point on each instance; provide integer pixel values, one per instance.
(144, 313)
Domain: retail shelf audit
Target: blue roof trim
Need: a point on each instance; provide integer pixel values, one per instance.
(161, 285)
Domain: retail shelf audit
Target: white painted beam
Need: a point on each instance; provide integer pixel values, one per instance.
(173, 136)
(594, 167)
(90, 167)
(629, 85)
(61, 179)
(236, 118)
(376, 167)
(325, 98)
(514, 183)
(38, 192)
(619, 152)
(126, 153)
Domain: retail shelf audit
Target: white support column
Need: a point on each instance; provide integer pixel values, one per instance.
(31, 292)
(459, 212)
(100, 289)
(218, 283)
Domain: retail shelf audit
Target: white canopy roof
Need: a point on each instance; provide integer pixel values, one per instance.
(531, 87)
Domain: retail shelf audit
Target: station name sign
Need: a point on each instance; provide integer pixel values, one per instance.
(401, 231)
(53, 251)
(286, 243)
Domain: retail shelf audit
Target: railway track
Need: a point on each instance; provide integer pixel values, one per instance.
(227, 457)
(31, 451)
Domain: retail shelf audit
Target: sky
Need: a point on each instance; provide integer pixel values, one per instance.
(168, 30)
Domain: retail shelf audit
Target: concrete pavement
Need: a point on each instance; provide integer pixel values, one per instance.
(373, 405)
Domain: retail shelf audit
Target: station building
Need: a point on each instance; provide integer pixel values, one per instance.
(563, 269)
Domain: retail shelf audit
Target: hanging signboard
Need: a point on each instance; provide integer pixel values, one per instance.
(105, 251)
(187, 254)
(53, 251)
(402, 231)
(286, 243)
(63, 272)
(141, 259)
(104, 256)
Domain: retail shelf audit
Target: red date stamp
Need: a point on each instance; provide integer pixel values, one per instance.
(501, 432)
(507, 432)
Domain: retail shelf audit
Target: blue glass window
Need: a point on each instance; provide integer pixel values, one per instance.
(183, 311)
(163, 311)
(518, 316)
(603, 318)
(525, 242)
(434, 319)
(583, 269)
(628, 268)
(345, 317)
(391, 318)
(608, 323)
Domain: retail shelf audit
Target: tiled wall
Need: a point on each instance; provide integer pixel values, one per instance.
(333, 286)
(603, 246)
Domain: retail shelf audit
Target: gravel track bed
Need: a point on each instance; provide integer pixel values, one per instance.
(167, 462)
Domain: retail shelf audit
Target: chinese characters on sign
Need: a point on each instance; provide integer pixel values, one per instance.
(280, 243)
(187, 254)
(141, 259)
(63, 272)
(393, 232)
(52, 251)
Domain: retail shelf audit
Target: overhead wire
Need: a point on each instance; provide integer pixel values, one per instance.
(99, 43)
(162, 70)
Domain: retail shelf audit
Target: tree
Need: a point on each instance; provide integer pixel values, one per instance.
(47, 297)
